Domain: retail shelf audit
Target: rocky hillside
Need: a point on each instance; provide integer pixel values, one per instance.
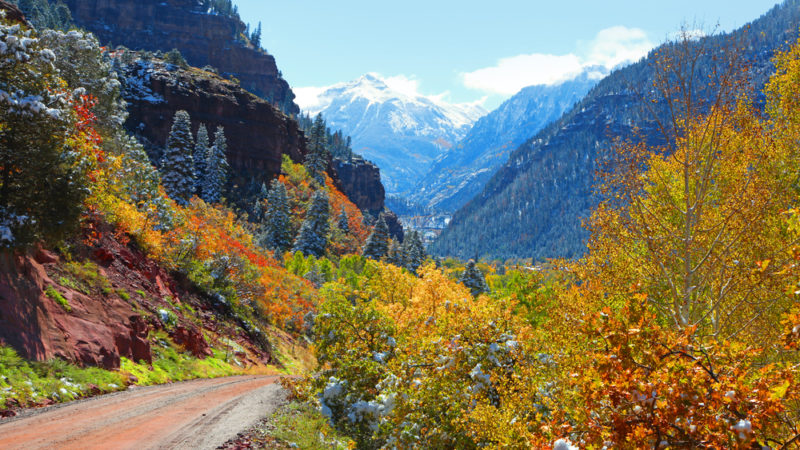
(535, 203)
(105, 301)
(462, 172)
(257, 132)
(203, 38)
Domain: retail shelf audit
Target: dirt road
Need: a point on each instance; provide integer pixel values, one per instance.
(196, 414)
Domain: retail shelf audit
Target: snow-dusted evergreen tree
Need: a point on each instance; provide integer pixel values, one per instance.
(259, 208)
(42, 178)
(314, 276)
(276, 224)
(377, 245)
(216, 168)
(177, 164)
(201, 147)
(395, 255)
(473, 279)
(344, 221)
(313, 236)
(316, 159)
(413, 251)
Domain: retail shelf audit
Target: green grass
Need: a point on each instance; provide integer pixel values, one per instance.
(302, 425)
(141, 293)
(58, 298)
(26, 383)
(170, 364)
(72, 284)
(123, 294)
(89, 276)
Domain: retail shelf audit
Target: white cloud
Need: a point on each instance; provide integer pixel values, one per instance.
(512, 74)
(402, 84)
(617, 45)
(308, 98)
(610, 48)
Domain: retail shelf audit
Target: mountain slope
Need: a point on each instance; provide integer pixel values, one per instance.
(534, 205)
(402, 133)
(463, 171)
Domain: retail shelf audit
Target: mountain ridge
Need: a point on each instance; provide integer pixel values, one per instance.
(462, 172)
(533, 206)
(401, 132)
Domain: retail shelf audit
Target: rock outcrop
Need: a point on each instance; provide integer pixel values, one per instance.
(257, 133)
(203, 39)
(92, 332)
(360, 181)
(46, 312)
(12, 12)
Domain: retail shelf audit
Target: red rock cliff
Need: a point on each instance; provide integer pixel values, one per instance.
(203, 39)
(257, 133)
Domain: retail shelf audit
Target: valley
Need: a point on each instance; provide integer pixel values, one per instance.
(542, 229)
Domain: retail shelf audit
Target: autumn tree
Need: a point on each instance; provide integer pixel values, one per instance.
(689, 221)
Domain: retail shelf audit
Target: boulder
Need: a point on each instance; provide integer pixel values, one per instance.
(192, 340)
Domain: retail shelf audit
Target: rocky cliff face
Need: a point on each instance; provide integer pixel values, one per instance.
(257, 133)
(360, 181)
(203, 39)
(96, 325)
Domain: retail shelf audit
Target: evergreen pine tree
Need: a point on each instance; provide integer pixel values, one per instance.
(258, 207)
(277, 233)
(255, 38)
(413, 251)
(377, 245)
(316, 159)
(344, 223)
(473, 279)
(216, 168)
(313, 236)
(314, 276)
(395, 255)
(177, 165)
(201, 147)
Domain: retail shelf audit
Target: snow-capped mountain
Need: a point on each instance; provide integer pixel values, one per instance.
(402, 132)
(462, 172)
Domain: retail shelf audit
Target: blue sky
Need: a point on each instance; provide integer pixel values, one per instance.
(467, 51)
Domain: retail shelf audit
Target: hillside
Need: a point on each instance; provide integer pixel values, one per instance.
(464, 169)
(402, 133)
(533, 206)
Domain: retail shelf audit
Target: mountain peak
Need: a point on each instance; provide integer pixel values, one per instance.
(392, 123)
